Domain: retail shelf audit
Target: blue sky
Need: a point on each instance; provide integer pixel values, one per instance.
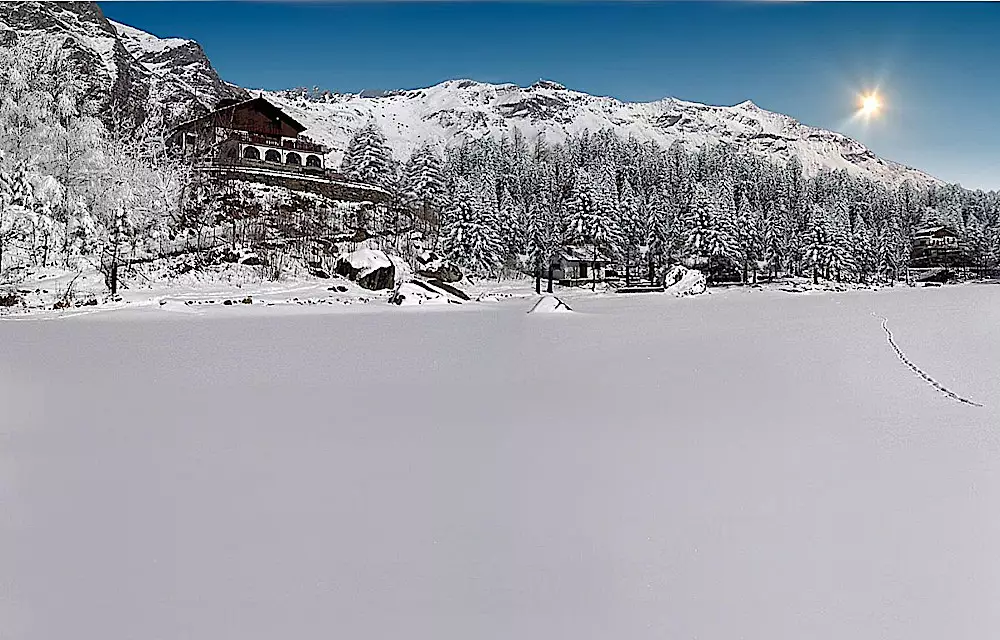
(937, 65)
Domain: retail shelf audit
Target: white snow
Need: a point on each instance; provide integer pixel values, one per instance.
(682, 281)
(139, 42)
(409, 294)
(750, 464)
(367, 260)
(550, 304)
(460, 110)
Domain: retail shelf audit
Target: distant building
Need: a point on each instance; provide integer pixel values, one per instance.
(256, 140)
(936, 247)
(574, 263)
(250, 132)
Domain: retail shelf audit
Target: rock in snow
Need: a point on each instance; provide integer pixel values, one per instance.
(408, 293)
(682, 281)
(370, 268)
(550, 304)
(434, 266)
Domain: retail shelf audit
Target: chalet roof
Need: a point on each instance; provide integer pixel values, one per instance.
(260, 103)
(931, 231)
(582, 254)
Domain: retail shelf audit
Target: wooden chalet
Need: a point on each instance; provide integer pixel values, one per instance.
(936, 247)
(252, 132)
(256, 140)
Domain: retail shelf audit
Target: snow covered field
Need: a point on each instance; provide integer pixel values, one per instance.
(756, 465)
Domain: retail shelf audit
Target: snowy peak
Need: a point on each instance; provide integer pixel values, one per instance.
(109, 73)
(127, 71)
(184, 81)
(459, 110)
(144, 45)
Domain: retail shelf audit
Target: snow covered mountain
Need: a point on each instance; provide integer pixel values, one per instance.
(182, 79)
(109, 72)
(459, 110)
(132, 75)
(147, 77)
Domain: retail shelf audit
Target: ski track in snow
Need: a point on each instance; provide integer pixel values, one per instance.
(917, 370)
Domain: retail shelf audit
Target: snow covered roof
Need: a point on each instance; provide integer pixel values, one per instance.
(933, 231)
(582, 254)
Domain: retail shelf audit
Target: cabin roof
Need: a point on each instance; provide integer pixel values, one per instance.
(582, 254)
(260, 103)
(932, 231)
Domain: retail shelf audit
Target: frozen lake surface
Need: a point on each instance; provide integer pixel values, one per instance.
(739, 465)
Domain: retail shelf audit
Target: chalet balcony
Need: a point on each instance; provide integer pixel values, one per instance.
(301, 144)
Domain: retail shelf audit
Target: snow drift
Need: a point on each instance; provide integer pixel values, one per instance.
(410, 293)
(550, 304)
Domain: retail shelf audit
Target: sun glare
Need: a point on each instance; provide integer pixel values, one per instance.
(870, 105)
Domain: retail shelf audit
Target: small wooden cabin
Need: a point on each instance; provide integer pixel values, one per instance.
(575, 263)
(251, 132)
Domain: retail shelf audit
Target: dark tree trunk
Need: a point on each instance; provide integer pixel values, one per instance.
(628, 264)
(548, 289)
(538, 275)
(593, 270)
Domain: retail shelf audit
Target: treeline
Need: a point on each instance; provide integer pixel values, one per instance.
(75, 190)
(503, 206)
(81, 190)
(78, 191)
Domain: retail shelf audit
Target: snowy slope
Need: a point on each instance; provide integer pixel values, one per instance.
(125, 70)
(646, 468)
(109, 73)
(459, 110)
(172, 78)
(182, 79)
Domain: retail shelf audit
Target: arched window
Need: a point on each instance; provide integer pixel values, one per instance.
(313, 161)
(272, 155)
(293, 158)
(251, 153)
(233, 152)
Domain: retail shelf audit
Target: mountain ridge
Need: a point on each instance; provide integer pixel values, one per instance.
(167, 80)
(464, 109)
(134, 77)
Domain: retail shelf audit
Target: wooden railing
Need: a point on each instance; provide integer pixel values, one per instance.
(300, 144)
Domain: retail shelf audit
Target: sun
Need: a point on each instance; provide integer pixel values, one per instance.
(870, 105)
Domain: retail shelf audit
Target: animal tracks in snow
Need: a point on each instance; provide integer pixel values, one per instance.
(917, 370)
